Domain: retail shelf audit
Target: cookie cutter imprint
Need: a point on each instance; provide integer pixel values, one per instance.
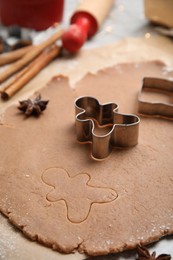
(124, 128)
(162, 109)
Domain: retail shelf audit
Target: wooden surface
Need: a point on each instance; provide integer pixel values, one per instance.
(13, 244)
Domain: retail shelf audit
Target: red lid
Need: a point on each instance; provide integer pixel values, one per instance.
(35, 14)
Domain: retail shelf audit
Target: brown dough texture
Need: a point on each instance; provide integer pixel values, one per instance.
(52, 189)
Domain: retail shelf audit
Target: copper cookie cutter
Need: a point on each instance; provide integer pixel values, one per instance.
(124, 128)
(163, 109)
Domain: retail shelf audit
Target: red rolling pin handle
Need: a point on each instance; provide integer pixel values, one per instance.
(85, 22)
(83, 26)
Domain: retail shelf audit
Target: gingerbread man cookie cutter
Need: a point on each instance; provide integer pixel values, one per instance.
(124, 127)
(156, 108)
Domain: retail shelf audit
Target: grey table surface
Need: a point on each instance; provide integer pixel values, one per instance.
(125, 19)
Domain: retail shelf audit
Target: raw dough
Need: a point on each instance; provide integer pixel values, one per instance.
(141, 177)
(76, 192)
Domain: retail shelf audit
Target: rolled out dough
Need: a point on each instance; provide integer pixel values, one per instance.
(135, 200)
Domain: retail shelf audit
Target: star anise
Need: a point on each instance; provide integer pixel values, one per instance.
(33, 107)
(144, 254)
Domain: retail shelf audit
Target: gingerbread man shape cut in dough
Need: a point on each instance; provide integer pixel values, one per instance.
(76, 192)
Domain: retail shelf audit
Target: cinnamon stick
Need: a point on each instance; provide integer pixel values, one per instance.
(27, 58)
(29, 72)
(19, 74)
(12, 56)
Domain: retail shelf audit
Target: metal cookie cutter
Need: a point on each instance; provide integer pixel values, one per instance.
(156, 108)
(124, 128)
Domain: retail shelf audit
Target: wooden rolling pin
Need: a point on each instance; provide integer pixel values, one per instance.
(85, 22)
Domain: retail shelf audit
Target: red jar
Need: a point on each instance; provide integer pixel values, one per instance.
(35, 14)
